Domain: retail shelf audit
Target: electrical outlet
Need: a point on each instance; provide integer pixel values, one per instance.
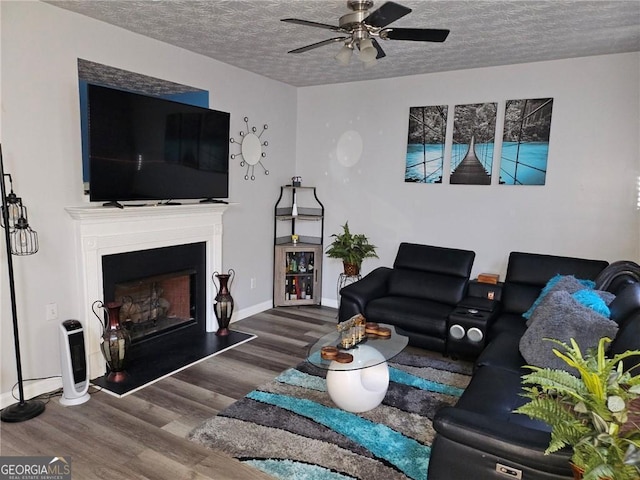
(253, 283)
(51, 311)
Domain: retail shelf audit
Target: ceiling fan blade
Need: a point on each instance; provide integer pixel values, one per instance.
(386, 14)
(378, 48)
(311, 24)
(415, 34)
(319, 44)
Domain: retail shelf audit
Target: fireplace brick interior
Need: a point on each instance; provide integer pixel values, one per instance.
(162, 290)
(152, 304)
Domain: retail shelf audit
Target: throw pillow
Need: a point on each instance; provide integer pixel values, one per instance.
(560, 316)
(567, 283)
(596, 300)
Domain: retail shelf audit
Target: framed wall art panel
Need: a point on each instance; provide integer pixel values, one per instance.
(425, 144)
(525, 141)
(474, 132)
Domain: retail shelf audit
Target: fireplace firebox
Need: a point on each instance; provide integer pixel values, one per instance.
(162, 290)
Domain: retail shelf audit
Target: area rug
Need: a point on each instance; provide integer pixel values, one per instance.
(290, 428)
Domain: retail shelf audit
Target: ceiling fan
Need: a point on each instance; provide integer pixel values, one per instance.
(361, 29)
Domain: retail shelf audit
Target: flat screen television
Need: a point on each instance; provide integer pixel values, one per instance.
(149, 148)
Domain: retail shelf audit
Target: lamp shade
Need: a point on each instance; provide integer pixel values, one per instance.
(367, 51)
(23, 239)
(371, 63)
(344, 55)
(13, 208)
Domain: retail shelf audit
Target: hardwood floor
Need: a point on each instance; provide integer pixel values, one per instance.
(142, 436)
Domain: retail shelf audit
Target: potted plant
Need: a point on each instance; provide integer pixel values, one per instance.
(595, 414)
(352, 249)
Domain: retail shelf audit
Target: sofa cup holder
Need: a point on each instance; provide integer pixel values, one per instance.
(472, 312)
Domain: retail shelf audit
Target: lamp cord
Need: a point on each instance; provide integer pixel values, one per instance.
(42, 396)
(47, 396)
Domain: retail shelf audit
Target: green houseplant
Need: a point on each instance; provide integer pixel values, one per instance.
(595, 414)
(352, 249)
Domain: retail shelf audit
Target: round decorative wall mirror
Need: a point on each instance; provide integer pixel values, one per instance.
(251, 149)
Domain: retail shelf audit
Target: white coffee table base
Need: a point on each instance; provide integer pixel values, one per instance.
(362, 389)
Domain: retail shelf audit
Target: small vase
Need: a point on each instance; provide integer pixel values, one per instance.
(115, 341)
(223, 306)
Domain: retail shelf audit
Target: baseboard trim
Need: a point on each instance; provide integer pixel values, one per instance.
(252, 310)
(330, 302)
(32, 389)
(264, 306)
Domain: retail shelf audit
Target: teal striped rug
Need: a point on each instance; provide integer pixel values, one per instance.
(291, 430)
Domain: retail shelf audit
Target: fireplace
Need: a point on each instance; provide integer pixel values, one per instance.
(156, 305)
(162, 290)
(102, 233)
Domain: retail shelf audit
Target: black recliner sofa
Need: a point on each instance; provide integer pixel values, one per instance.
(416, 295)
(480, 437)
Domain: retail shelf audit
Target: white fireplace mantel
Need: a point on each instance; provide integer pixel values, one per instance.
(103, 231)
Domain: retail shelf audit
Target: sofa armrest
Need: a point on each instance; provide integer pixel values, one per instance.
(354, 297)
(502, 439)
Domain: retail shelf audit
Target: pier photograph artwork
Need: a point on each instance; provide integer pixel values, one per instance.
(474, 132)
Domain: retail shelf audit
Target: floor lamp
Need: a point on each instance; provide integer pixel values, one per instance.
(20, 239)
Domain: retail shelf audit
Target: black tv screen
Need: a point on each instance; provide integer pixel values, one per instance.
(149, 148)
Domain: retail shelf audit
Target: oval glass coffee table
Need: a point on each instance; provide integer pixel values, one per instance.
(360, 385)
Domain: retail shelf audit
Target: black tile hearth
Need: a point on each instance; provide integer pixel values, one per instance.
(159, 358)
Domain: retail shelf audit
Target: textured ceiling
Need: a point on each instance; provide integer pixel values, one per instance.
(250, 35)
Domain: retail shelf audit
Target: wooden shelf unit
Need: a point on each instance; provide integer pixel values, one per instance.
(297, 272)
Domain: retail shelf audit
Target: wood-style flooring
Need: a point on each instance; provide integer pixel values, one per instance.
(142, 436)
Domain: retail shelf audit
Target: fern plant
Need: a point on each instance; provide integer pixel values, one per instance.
(593, 414)
(351, 248)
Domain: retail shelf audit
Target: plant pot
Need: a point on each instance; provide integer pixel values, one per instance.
(578, 472)
(351, 269)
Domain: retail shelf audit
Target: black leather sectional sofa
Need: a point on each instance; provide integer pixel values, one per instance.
(481, 437)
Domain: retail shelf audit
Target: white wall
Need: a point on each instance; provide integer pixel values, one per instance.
(586, 209)
(41, 144)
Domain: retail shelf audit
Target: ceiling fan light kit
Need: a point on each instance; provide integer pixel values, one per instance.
(344, 55)
(367, 50)
(370, 63)
(362, 29)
